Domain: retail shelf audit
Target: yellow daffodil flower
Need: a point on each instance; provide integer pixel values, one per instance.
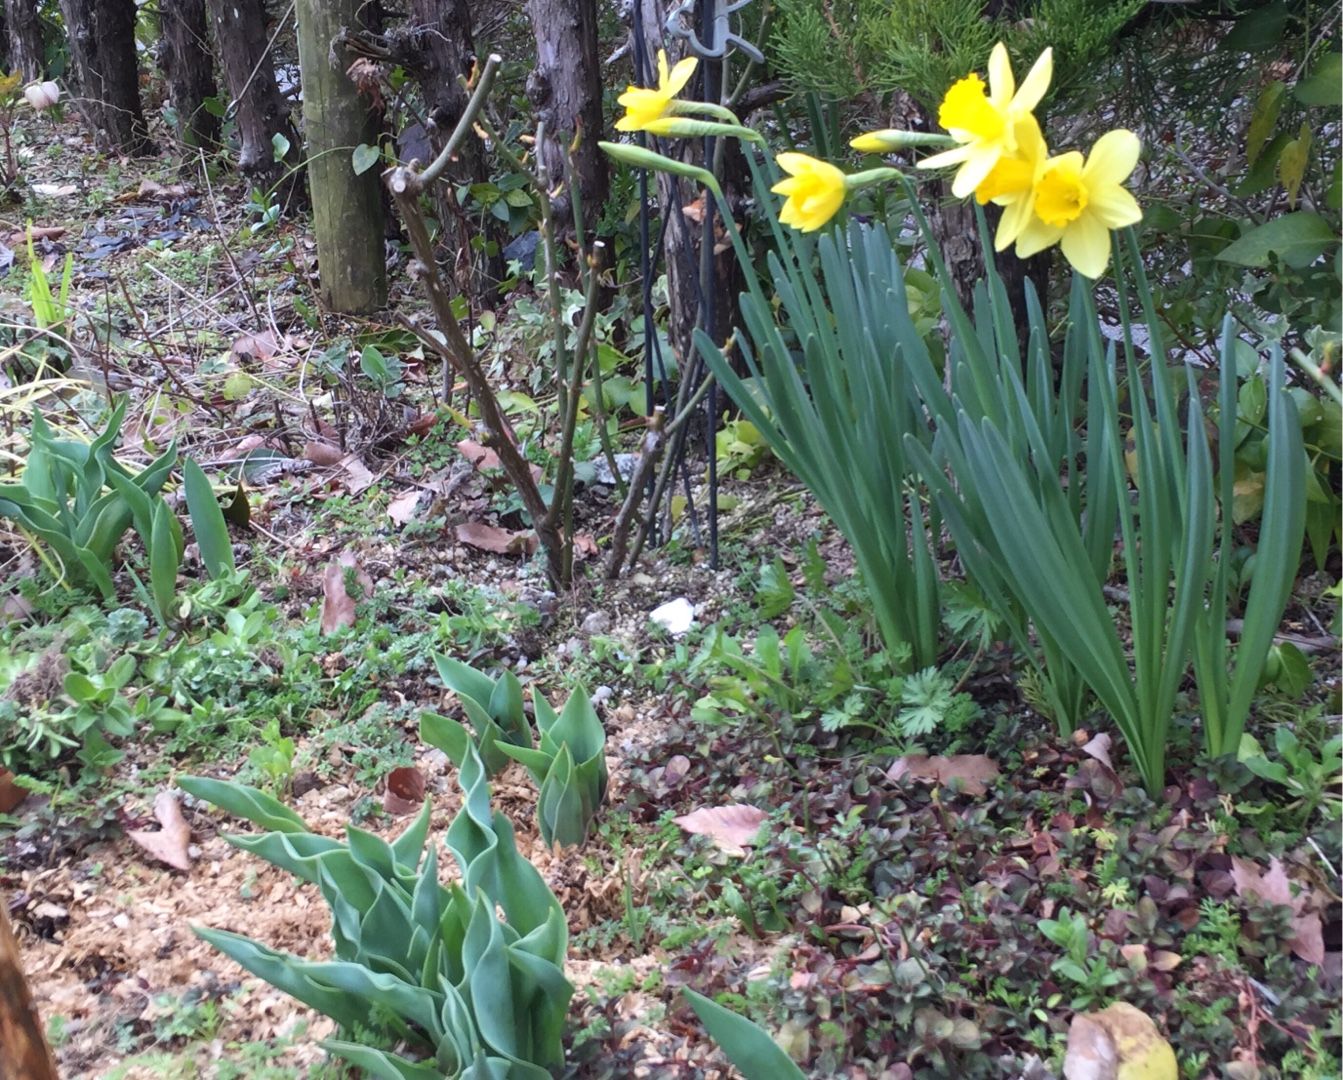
(814, 191)
(986, 120)
(1011, 183)
(1077, 202)
(643, 106)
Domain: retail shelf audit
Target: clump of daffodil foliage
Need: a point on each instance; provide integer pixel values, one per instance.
(993, 139)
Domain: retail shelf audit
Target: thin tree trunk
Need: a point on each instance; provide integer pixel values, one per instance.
(188, 68)
(101, 34)
(26, 50)
(444, 51)
(261, 110)
(566, 92)
(347, 207)
(23, 1050)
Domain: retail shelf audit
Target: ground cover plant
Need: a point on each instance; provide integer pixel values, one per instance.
(729, 565)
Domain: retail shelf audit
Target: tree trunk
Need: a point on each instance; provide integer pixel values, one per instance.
(23, 1050)
(188, 68)
(26, 50)
(566, 92)
(101, 34)
(444, 51)
(347, 208)
(261, 110)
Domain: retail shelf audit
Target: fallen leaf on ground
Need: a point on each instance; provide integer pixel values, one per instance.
(402, 509)
(973, 772)
(337, 604)
(585, 545)
(1099, 748)
(729, 827)
(1272, 886)
(484, 459)
(10, 793)
(39, 232)
(357, 476)
(322, 453)
(260, 346)
(169, 844)
(492, 538)
(1117, 1041)
(405, 791)
(54, 190)
(152, 189)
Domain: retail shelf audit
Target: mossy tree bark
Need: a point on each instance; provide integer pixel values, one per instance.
(101, 34)
(262, 111)
(188, 67)
(27, 52)
(347, 208)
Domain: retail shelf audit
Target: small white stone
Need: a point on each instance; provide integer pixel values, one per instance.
(675, 616)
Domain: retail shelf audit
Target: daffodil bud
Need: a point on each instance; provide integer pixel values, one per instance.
(642, 158)
(892, 139)
(686, 127)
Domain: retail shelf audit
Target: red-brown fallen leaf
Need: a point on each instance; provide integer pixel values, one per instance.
(152, 189)
(1272, 886)
(492, 538)
(169, 844)
(402, 509)
(322, 453)
(973, 772)
(257, 346)
(483, 459)
(39, 232)
(10, 793)
(729, 827)
(585, 545)
(422, 424)
(405, 791)
(337, 604)
(1099, 748)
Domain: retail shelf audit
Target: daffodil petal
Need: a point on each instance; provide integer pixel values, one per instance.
(792, 162)
(1036, 82)
(680, 75)
(1015, 217)
(954, 156)
(1035, 237)
(970, 175)
(662, 67)
(1114, 206)
(1086, 244)
(1113, 157)
(1001, 84)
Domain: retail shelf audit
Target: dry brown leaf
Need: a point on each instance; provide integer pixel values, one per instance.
(10, 793)
(585, 545)
(729, 827)
(260, 346)
(1272, 886)
(405, 791)
(1118, 1038)
(973, 772)
(1099, 748)
(357, 476)
(322, 453)
(402, 509)
(492, 538)
(169, 844)
(152, 189)
(481, 457)
(337, 604)
(39, 232)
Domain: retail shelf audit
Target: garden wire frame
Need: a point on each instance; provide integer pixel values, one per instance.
(710, 40)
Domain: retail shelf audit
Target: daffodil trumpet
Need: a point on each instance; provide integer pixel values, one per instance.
(891, 140)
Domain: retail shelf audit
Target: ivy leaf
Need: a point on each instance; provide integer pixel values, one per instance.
(365, 156)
